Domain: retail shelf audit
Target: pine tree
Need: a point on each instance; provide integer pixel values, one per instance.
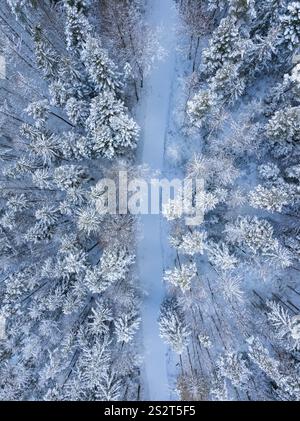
(283, 130)
(224, 46)
(110, 128)
(272, 199)
(214, 5)
(191, 243)
(200, 107)
(287, 381)
(257, 234)
(261, 52)
(285, 325)
(100, 68)
(109, 388)
(233, 366)
(269, 171)
(291, 25)
(77, 25)
(243, 8)
(181, 277)
(219, 391)
(115, 263)
(221, 257)
(227, 84)
(126, 326)
(173, 328)
(46, 56)
(231, 288)
(39, 111)
(43, 144)
(279, 318)
(89, 220)
(94, 363)
(77, 110)
(261, 356)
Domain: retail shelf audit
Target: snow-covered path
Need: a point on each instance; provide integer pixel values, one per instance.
(154, 118)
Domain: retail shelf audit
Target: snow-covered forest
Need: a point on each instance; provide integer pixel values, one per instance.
(102, 303)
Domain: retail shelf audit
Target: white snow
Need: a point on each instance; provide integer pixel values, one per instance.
(154, 117)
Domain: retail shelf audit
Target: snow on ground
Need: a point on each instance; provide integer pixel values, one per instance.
(154, 118)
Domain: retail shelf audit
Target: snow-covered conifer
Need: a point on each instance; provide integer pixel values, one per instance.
(126, 326)
(94, 363)
(46, 56)
(224, 46)
(272, 199)
(115, 263)
(261, 356)
(39, 111)
(89, 220)
(181, 277)
(269, 171)
(77, 25)
(190, 243)
(279, 318)
(77, 110)
(200, 107)
(257, 234)
(231, 288)
(287, 381)
(205, 341)
(214, 5)
(100, 68)
(110, 128)
(285, 325)
(283, 129)
(291, 25)
(219, 391)
(227, 83)
(233, 366)
(110, 387)
(279, 256)
(243, 8)
(221, 257)
(173, 328)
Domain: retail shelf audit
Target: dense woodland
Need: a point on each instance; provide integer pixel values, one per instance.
(70, 291)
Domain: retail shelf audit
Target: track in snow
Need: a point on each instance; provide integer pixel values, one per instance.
(154, 108)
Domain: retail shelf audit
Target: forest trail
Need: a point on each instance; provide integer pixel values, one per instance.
(154, 119)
